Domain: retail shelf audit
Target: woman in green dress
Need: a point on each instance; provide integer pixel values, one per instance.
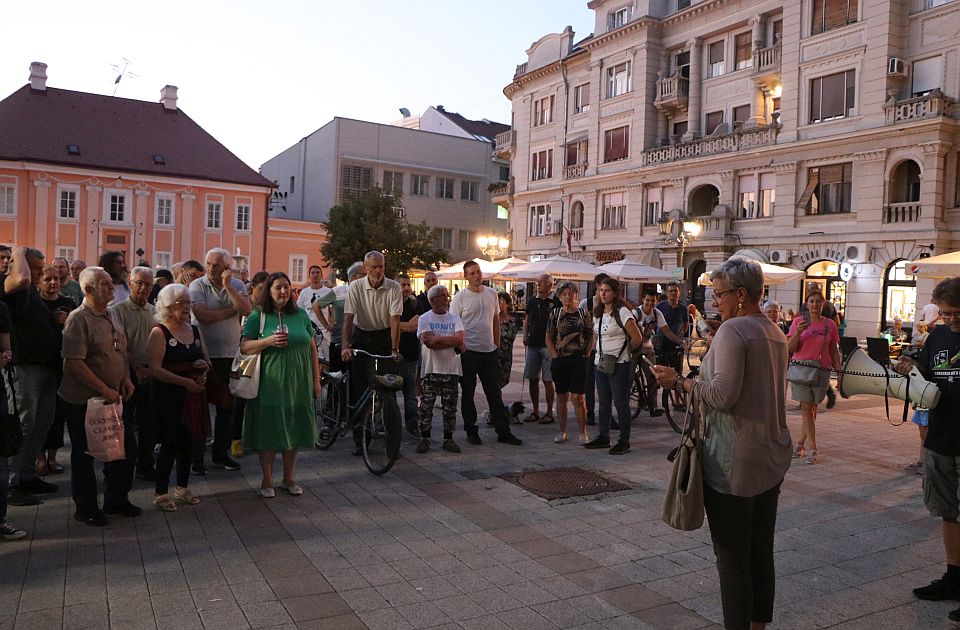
(281, 417)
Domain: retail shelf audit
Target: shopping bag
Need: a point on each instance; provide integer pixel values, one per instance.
(104, 427)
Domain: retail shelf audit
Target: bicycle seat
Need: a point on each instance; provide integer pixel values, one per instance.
(336, 377)
(387, 383)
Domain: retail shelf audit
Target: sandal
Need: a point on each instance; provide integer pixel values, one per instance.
(185, 496)
(812, 458)
(294, 489)
(800, 452)
(533, 417)
(546, 419)
(55, 468)
(165, 503)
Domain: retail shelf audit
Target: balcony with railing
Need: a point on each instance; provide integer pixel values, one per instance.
(505, 143)
(927, 106)
(906, 212)
(766, 66)
(521, 70)
(574, 171)
(501, 192)
(672, 94)
(739, 140)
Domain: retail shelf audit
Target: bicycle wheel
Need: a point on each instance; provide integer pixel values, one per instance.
(674, 408)
(328, 416)
(381, 433)
(638, 392)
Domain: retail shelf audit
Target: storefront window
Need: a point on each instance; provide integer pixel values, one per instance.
(824, 276)
(899, 294)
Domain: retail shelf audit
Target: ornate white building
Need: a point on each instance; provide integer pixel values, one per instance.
(817, 134)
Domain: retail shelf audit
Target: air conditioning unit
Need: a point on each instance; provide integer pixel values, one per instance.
(856, 252)
(896, 67)
(779, 256)
(551, 227)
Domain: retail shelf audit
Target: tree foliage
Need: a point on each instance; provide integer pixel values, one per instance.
(370, 222)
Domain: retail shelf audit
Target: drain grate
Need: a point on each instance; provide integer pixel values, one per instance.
(561, 483)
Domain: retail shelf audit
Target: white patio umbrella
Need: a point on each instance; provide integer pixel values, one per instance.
(560, 267)
(942, 266)
(488, 267)
(772, 274)
(630, 271)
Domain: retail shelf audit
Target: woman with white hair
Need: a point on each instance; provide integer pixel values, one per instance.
(745, 451)
(178, 362)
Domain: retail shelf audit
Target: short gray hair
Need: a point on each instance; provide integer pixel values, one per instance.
(88, 276)
(167, 296)
(772, 304)
(141, 269)
(435, 289)
(567, 286)
(737, 272)
(217, 250)
(374, 254)
(356, 269)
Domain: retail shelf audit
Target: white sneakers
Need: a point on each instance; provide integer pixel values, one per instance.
(561, 437)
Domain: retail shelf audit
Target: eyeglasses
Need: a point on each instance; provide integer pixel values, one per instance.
(718, 295)
(950, 314)
(181, 303)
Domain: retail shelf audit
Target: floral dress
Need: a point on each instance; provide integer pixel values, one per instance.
(508, 334)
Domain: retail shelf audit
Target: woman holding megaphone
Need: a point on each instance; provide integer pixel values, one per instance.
(813, 339)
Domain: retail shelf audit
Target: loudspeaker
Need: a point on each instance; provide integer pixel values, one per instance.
(863, 375)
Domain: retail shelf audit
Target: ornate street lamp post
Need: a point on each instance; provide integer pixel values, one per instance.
(679, 232)
(493, 246)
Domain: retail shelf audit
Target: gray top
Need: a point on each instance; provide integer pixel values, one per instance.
(742, 394)
(222, 338)
(477, 310)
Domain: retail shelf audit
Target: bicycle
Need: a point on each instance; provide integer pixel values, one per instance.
(674, 402)
(377, 413)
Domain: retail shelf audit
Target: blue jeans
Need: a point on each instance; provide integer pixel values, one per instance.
(615, 388)
(36, 388)
(411, 409)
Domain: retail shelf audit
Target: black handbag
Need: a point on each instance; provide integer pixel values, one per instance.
(11, 431)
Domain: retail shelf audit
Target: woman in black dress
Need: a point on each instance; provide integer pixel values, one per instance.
(59, 307)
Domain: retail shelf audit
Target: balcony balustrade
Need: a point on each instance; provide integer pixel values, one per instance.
(766, 66)
(927, 106)
(907, 212)
(505, 143)
(739, 139)
(574, 171)
(521, 70)
(672, 93)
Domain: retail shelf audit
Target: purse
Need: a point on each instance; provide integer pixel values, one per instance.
(806, 371)
(245, 371)
(607, 363)
(11, 431)
(683, 503)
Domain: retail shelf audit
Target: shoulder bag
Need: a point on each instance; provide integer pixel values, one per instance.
(245, 371)
(11, 431)
(683, 504)
(607, 363)
(807, 371)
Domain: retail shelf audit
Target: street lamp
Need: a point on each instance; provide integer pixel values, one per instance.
(679, 232)
(493, 246)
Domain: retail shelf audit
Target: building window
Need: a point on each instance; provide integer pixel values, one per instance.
(714, 120)
(614, 213)
(681, 64)
(743, 50)
(445, 187)
(118, 208)
(748, 205)
(615, 143)
(768, 198)
(828, 189)
(832, 96)
(392, 182)
(443, 238)
(539, 220)
(679, 128)
(467, 240)
(504, 173)
(243, 217)
(651, 215)
(68, 204)
(162, 260)
(741, 115)
(419, 185)
(355, 181)
(927, 75)
(618, 79)
(576, 215)
(543, 111)
(8, 200)
(542, 165)
(581, 98)
(164, 211)
(469, 191)
(828, 14)
(292, 182)
(503, 213)
(619, 17)
(682, 4)
(298, 268)
(576, 153)
(776, 33)
(715, 62)
(214, 214)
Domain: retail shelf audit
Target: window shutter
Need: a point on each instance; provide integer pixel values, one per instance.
(743, 45)
(716, 52)
(813, 179)
(927, 74)
(747, 183)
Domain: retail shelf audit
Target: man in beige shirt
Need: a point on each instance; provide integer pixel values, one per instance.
(135, 316)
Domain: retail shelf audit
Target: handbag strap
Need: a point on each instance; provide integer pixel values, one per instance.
(600, 336)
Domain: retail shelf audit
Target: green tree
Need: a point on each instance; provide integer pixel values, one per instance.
(370, 222)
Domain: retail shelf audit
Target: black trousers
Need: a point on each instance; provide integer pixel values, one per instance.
(361, 367)
(118, 475)
(486, 367)
(742, 533)
(177, 445)
(138, 411)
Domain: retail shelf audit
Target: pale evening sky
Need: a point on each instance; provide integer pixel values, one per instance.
(261, 75)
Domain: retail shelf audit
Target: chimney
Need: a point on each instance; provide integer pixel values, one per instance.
(168, 96)
(38, 76)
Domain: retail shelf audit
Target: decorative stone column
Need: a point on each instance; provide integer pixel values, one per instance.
(758, 103)
(94, 215)
(185, 221)
(41, 218)
(694, 104)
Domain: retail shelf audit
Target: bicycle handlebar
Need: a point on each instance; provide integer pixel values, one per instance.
(357, 351)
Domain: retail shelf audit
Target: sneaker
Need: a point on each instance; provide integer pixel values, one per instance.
(509, 438)
(236, 448)
(584, 438)
(96, 519)
(423, 446)
(450, 446)
(914, 467)
(599, 442)
(38, 486)
(9, 532)
(831, 398)
(620, 448)
(198, 469)
(940, 589)
(20, 497)
(474, 438)
(227, 464)
(267, 493)
(124, 509)
(561, 438)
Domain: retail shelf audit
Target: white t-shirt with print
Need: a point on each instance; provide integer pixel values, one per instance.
(309, 295)
(443, 360)
(655, 319)
(611, 337)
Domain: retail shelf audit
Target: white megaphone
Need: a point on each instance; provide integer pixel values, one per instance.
(863, 375)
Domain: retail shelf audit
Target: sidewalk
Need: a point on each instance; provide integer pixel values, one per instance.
(441, 541)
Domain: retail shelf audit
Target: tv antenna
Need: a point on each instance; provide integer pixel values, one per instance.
(122, 71)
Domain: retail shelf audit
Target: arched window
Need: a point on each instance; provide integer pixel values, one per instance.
(576, 215)
(703, 200)
(899, 294)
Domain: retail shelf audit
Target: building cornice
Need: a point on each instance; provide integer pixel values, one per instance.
(533, 75)
(618, 33)
(693, 11)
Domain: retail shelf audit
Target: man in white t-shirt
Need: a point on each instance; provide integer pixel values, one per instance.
(478, 306)
(931, 315)
(442, 336)
(308, 295)
(651, 320)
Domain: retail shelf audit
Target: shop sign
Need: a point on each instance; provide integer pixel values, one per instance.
(814, 253)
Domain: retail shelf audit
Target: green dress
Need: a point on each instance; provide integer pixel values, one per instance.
(282, 416)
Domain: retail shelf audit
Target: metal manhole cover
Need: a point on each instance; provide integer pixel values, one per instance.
(560, 483)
